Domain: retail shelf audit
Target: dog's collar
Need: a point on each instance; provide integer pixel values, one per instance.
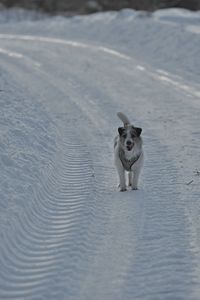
(127, 163)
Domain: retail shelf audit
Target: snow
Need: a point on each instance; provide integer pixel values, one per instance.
(66, 231)
(18, 15)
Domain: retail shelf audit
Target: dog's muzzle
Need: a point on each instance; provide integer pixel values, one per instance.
(129, 145)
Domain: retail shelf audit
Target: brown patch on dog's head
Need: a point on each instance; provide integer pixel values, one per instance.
(138, 131)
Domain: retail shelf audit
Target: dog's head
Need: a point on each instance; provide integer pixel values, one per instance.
(129, 136)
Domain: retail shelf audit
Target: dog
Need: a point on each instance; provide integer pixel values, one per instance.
(128, 153)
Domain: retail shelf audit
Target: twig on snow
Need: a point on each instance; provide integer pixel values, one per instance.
(188, 183)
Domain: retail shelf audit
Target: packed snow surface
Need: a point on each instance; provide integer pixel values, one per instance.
(66, 231)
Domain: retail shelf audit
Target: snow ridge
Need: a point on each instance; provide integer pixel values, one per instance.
(52, 227)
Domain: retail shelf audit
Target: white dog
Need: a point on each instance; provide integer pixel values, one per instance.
(128, 153)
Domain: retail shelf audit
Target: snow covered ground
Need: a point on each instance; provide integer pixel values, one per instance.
(65, 230)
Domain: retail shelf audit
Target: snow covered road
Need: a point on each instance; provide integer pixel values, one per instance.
(66, 231)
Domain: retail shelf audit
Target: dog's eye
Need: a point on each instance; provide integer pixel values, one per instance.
(133, 136)
(124, 136)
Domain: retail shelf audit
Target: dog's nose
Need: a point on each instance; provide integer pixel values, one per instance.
(128, 143)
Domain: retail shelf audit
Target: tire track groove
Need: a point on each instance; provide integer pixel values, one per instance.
(53, 229)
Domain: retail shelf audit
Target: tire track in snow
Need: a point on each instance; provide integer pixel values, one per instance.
(74, 44)
(20, 56)
(35, 249)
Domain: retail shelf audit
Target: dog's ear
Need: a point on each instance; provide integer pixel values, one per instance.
(121, 130)
(138, 131)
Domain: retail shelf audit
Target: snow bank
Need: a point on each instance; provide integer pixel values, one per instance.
(167, 38)
(19, 15)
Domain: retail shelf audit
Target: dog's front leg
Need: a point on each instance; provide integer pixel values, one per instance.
(122, 183)
(136, 172)
(130, 178)
(135, 178)
(134, 184)
(121, 173)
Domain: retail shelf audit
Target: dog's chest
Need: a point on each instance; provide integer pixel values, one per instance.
(128, 160)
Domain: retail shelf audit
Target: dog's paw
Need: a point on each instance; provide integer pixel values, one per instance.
(134, 188)
(123, 189)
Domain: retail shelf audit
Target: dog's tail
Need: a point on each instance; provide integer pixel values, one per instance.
(123, 118)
